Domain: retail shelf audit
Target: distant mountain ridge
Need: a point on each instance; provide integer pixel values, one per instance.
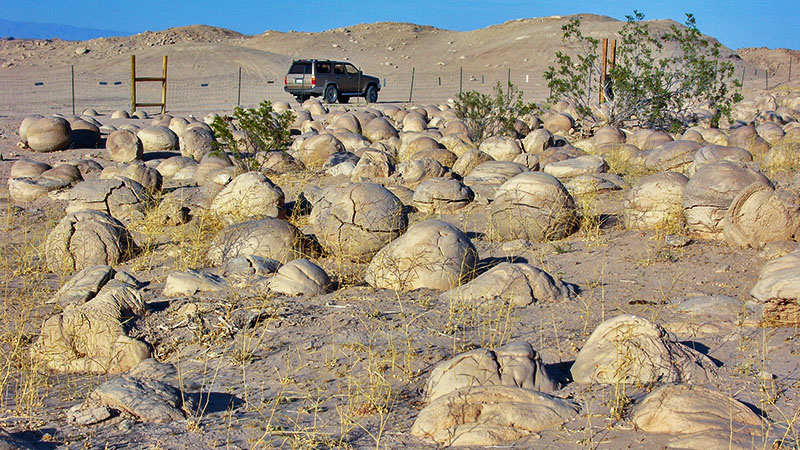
(40, 30)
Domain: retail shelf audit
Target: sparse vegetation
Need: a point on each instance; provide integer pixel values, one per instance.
(492, 115)
(658, 81)
(261, 129)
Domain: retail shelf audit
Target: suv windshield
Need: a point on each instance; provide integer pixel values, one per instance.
(300, 67)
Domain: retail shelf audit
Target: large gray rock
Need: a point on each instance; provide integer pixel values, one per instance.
(143, 399)
(487, 177)
(490, 415)
(516, 283)
(92, 336)
(267, 238)
(631, 349)
(23, 129)
(655, 202)
(355, 220)
(412, 173)
(122, 198)
(698, 417)
(250, 195)
(124, 146)
(573, 167)
(712, 153)
(671, 155)
(191, 282)
(501, 148)
(533, 206)
(777, 290)
(710, 192)
(158, 139)
(441, 196)
(300, 277)
(514, 364)
(87, 238)
(760, 214)
(431, 254)
(49, 134)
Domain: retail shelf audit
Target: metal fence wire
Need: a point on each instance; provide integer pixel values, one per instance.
(62, 89)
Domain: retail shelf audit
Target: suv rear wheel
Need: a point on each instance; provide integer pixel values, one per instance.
(372, 94)
(331, 93)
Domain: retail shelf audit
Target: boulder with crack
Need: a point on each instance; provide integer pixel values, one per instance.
(490, 415)
(190, 282)
(533, 206)
(777, 290)
(431, 254)
(300, 277)
(250, 195)
(517, 283)
(268, 238)
(441, 196)
(631, 349)
(355, 220)
(122, 198)
(760, 214)
(87, 238)
(92, 336)
(514, 364)
(699, 417)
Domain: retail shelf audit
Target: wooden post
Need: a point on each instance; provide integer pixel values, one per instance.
(239, 89)
(461, 79)
(613, 61)
(604, 68)
(508, 87)
(133, 84)
(72, 78)
(164, 87)
(411, 91)
(790, 68)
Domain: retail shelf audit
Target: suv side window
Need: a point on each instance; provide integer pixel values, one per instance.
(338, 69)
(351, 70)
(324, 67)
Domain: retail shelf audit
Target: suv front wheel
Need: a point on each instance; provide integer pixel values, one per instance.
(331, 93)
(372, 94)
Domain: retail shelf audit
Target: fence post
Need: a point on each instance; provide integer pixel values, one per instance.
(164, 86)
(790, 68)
(411, 91)
(744, 68)
(508, 85)
(766, 79)
(72, 78)
(461, 79)
(133, 84)
(239, 89)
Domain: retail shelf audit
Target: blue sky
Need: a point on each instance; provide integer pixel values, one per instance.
(736, 23)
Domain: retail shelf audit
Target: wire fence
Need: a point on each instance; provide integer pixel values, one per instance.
(68, 89)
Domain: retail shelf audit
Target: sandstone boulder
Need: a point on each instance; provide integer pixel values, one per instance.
(533, 206)
(355, 220)
(300, 277)
(431, 254)
(49, 134)
(158, 139)
(87, 238)
(777, 290)
(630, 349)
(124, 146)
(655, 202)
(441, 196)
(760, 214)
(250, 195)
(267, 238)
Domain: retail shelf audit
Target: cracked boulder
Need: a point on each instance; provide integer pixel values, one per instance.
(87, 238)
(250, 195)
(515, 364)
(266, 238)
(630, 349)
(487, 177)
(712, 153)
(573, 167)
(490, 415)
(124, 146)
(92, 336)
(196, 143)
(760, 214)
(85, 284)
(654, 202)
(30, 180)
(158, 138)
(372, 165)
(698, 418)
(516, 283)
(300, 277)
(777, 290)
(441, 196)
(709, 194)
(533, 206)
(430, 254)
(191, 282)
(501, 148)
(412, 173)
(355, 220)
(120, 197)
(670, 155)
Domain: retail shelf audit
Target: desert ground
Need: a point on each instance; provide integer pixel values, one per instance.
(385, 281)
